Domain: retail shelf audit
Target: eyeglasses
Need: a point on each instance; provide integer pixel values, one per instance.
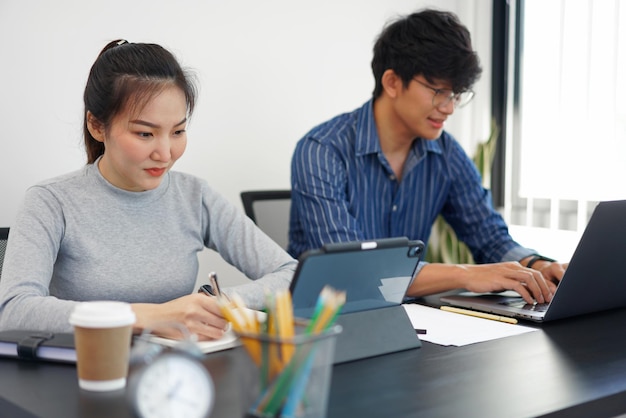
(444, 96)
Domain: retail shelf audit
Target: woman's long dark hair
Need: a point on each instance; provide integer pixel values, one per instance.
(126, 76)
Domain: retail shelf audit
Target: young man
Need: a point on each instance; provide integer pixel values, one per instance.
(388, 168)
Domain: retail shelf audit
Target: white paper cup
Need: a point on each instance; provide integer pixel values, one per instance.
(102, 335)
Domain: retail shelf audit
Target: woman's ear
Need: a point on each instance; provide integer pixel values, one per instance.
(95, 127)
(391, 83)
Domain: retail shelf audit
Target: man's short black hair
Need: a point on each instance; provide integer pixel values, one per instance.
(430, 42)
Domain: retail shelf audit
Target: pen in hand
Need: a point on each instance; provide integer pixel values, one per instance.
(207, 289)
(213, 288)
(213, 281)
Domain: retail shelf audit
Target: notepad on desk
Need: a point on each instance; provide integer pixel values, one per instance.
(228, 340)
(450, 328)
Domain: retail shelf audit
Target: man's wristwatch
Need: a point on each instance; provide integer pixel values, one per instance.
(538, 257)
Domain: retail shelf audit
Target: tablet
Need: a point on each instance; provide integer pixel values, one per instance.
(374, 274)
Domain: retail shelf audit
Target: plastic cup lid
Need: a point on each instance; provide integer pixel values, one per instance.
(102, 314)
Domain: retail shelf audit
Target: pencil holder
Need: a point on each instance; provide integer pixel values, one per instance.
(292, 375)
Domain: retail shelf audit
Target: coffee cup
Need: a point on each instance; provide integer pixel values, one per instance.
(102, 336)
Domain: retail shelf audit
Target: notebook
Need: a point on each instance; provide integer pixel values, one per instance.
(594, 281)
(375, 275)
(38, 346)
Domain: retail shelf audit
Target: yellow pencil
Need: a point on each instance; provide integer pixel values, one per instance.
(480, 314)
(285, 320)
(249, 320)
(231, 315)
(326, 315)
(273, 331)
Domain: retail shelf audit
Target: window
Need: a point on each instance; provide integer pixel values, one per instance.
(566, 136)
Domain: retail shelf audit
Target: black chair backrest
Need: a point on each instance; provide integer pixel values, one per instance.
(4, 236)
(269, 209)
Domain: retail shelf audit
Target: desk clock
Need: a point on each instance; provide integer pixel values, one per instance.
(169, 382)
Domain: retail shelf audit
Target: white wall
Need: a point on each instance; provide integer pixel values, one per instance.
(268, 72)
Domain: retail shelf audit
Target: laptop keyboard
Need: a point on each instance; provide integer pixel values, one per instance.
(521, 304)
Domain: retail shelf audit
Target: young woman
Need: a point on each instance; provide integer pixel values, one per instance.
(125, 227)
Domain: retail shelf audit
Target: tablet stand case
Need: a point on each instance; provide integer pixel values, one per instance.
(375, 276)
(374, 332)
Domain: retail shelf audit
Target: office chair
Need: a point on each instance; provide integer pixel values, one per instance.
(269, 209)
(4, 237)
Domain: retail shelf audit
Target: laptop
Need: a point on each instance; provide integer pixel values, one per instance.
(594, 281)
(375, 275)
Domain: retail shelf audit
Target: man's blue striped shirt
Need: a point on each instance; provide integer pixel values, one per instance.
(343, 189)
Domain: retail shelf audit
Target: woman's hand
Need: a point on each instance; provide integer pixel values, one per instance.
(198, 312)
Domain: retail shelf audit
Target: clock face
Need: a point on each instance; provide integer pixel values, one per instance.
(173, 386)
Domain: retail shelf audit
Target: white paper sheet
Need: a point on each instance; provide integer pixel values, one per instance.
(448, 328)
(229, 340)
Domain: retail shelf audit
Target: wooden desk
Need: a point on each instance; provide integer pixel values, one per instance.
(569, 368)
